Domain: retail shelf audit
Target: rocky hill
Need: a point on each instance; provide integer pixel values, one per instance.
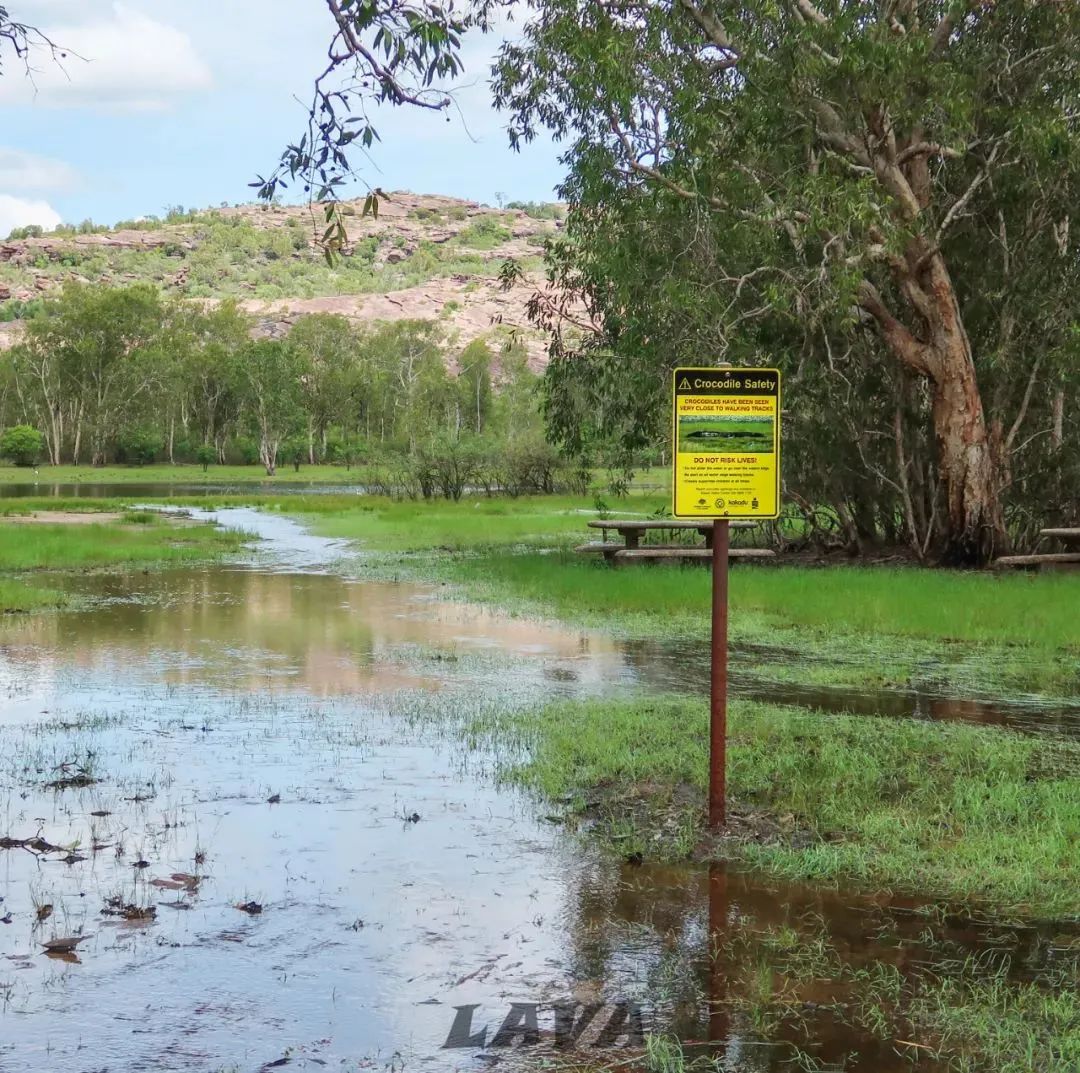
(426, 256)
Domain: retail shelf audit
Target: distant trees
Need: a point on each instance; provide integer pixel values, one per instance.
(122, 374)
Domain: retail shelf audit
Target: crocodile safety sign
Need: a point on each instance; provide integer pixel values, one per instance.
(726, 443)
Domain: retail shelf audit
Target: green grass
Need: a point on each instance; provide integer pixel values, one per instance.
(42, 546)
(1030, 610)
(16, 595)
(852, 626)
(177, 474)
(136, 540)
(469, 525)
(953, 812)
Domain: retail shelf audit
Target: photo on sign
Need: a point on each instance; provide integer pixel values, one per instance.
(735, 435)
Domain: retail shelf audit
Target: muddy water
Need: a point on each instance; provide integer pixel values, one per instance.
(269, 734)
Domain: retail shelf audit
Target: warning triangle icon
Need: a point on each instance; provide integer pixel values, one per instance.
(684, 384)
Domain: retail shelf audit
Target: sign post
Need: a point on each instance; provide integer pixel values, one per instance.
(726, 457)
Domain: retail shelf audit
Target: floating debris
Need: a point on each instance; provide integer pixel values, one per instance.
(166, 884)
(117, 907)
(64, 945)
(76, 779)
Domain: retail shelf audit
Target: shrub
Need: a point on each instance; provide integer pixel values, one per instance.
(206, 456)
(138, 446)
(22, 444)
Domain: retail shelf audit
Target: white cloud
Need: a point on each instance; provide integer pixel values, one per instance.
(121, 61)
(20, 170)
(18, 212)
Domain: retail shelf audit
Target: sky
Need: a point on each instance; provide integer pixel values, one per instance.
(185, 103)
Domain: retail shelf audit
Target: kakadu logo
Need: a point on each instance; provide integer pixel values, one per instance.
(574, 1024)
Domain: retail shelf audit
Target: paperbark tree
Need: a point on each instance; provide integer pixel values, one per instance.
(840, 164)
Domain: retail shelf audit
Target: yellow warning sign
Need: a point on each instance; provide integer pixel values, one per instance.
(726, 443)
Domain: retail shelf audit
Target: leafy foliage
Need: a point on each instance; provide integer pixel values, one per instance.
(875, 197)
(22, 444)
(120, 374)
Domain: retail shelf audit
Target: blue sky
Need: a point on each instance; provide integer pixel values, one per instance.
(183, 103)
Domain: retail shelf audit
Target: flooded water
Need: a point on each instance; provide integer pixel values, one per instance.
(230, 786)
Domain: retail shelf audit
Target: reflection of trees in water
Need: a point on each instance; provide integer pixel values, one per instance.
(639, 934)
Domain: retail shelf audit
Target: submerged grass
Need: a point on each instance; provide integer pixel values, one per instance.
(19, 596)
(954, 812)
(969, 1012)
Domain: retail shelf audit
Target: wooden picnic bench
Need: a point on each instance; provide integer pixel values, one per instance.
(631, 549)
(1070, 558)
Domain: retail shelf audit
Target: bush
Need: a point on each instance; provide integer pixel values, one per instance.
(22, 444)
(245, 450)
(530, 465)
(206, 456)
(138, 446)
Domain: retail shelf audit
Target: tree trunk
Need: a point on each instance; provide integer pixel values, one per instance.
(268, 454)
(975, 527)
(970, 473)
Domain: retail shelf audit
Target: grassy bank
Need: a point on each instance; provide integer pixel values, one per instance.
(842, 625)
(34, 556)
(1035, 611)
(952, 812)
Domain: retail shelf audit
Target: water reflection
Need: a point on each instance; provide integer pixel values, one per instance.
(269, 729)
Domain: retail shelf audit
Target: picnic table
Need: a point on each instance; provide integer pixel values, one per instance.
(1068, 558)
(631, 531)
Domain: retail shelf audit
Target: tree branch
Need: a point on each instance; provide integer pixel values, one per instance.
(913, 353)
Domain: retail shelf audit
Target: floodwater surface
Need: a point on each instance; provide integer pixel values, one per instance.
(230, 786)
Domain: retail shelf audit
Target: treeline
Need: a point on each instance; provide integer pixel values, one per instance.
(123, 374)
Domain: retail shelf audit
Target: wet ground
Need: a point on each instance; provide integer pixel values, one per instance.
(229, 785)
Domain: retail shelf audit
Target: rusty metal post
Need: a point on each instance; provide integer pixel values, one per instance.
(719, 684)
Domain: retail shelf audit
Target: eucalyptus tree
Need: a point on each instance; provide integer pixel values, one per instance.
(814, 174)
(272, 372)
(88, 360)
(329, 344)
(211, 343)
